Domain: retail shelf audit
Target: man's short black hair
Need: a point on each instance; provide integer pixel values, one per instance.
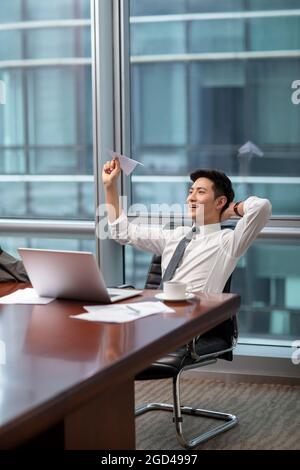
(221, 183)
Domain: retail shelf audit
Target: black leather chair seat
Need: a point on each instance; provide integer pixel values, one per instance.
(171, 364)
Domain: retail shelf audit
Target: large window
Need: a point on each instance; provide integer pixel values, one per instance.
(46, 162)
(207, 77)
(268, 278)
(46, 149)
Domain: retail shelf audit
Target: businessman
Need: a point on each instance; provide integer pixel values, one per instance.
(205, 256)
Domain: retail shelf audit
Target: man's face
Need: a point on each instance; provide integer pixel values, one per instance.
(202, 198)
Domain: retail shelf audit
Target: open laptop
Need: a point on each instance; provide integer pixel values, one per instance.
(69, 275)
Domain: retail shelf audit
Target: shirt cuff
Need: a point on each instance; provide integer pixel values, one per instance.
(121, 219)
(257, 203)
(248, 203)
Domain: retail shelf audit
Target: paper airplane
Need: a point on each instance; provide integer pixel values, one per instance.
(127, 164)
(250, 148)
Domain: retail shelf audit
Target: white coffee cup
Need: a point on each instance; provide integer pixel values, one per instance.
(176, 290)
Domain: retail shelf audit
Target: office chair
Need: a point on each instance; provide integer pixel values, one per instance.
(201, 351)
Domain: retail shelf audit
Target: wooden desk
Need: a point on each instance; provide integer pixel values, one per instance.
(76, 378)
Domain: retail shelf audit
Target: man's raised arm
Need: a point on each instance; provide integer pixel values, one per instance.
(255, 213)
(110, 174)
(146, 238)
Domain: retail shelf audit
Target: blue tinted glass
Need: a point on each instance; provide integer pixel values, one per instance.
(46, 121)
(76, 243)
(47, 43)
(57, 9)
(159, 94)
(12, 161)
(45, 199)
(13, 198)
(33, 10)
(273, 5)
(195, 106)
(208, 6)
(11, 11)
(156, 7)
(10, 45)
(12, 131)
(274, 33)
(161, 38)
(217, 36)
(268, 279)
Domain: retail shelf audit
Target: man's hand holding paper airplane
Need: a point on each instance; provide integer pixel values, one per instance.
(110, 173)
(127, 164)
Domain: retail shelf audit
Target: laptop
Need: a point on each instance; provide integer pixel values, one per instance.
(70, 275)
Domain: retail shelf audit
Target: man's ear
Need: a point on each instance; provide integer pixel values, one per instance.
(221, 202)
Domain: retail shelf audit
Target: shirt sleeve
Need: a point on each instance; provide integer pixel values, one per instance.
(144, 237)
(257, 212)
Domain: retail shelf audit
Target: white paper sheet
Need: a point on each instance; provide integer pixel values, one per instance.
(122, 313)
(127, 164)
(25, 296)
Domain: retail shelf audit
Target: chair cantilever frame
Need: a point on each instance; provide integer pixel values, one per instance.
(196, 360)
(178, 409)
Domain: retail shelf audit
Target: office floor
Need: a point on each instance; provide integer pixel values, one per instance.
(269, 415)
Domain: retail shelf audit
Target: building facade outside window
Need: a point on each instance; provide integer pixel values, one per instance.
(207, 77)
(46, 149)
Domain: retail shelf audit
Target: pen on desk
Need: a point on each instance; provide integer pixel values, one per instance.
(132, 309)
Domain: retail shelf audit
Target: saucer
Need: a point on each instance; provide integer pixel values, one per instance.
(162, 296)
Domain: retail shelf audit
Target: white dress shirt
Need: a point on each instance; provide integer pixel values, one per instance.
(212, 254)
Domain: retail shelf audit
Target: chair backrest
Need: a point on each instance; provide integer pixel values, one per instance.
(154, 273)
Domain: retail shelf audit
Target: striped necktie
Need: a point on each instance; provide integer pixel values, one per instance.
(177, 256)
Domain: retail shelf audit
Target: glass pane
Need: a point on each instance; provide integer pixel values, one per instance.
(156, 7)
(212, 36)
(34, 10)
(12, 243)
(149, 194)
(199, 111)
(46, 43)
(273, 5)
(219, 77)
(161, 38)
(207, 6)
(136, 266)
(57, 9)
(274, 34)
(159, 105)
(268, 279)
(46, 122)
